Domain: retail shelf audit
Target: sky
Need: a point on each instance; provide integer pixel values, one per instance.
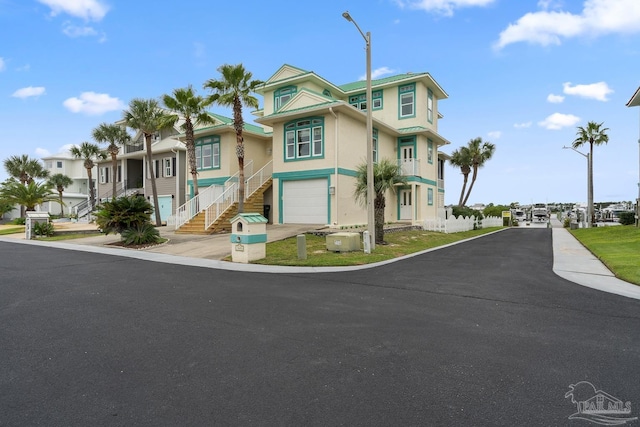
(522, 74)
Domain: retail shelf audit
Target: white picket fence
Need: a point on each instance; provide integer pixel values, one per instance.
(455, 225)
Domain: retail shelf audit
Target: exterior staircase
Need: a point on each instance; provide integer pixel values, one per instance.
(255, 203)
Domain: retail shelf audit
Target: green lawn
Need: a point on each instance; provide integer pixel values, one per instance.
(11, 230)
(618, 247)
(285, 252)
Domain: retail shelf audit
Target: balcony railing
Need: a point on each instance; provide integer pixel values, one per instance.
(409, 167)
(133, 148)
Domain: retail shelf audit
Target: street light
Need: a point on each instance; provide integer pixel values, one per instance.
(589, 193)
(370, 188)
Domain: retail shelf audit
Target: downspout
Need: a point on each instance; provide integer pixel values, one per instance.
(335, 185)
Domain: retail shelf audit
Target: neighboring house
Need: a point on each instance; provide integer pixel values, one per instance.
(78, 192)
(133, 177)
(635, 102)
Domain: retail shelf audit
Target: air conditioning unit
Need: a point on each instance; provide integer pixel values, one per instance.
(343, 242)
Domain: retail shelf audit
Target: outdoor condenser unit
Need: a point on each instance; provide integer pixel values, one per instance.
(343, 242)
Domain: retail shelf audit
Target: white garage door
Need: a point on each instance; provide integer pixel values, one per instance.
(305, 201)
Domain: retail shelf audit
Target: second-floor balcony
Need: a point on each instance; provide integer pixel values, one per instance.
(409, 167)
(133, 148)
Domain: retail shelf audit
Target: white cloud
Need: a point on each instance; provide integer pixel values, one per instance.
(93, 104)
(598, 17)
(522, 125)
(557, 121)
(27, 92)
(495, 134)
(2, 64)
(442, 7)
(378, 72)
(597, 91)
(42, 152)
(89, 10)
(555, 99)
(75, 31)
(25, 67)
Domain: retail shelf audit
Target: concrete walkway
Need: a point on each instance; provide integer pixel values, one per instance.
(571, 260)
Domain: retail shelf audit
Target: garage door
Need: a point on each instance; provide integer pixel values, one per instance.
(305, 201)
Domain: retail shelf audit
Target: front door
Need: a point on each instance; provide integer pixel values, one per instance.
(166, 208)
(407, 160)
(405, 204)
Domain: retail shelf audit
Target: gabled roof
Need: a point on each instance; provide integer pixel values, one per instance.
(361, 85)
(414, 130)
(635, 99)
(287, 75)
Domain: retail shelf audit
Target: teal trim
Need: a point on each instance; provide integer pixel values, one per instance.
(308, 123)
(440, 190)
(404, 141)
(212, 141)
(298, 176)
(429, 151)
(206, 182)
(421, 180)
(247, 239)
(402, 90)
(360, 100)
(430, 196)
(429, 105)
(347, 172)
(287, 92)
(403, 187)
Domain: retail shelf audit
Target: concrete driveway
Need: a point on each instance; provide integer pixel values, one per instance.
(481, 333)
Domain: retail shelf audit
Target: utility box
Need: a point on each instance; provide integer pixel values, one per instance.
(248, 237)
(343, 242)
(34, 218)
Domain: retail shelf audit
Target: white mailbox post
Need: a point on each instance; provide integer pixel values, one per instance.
(32, 219)
(248, 237)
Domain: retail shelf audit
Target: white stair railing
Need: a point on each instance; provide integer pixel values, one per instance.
(187, 211)
(220, 205)
(256, 180)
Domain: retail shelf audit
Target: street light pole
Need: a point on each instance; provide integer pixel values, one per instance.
(370, 186)
(589, 186)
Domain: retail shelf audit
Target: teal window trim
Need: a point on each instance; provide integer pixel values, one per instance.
(430, 196)
(360, 100)
(375, 145)
(304, 139)
(403, 141)
(429, 105)
(407, 101)
(429, 151)
(399, 200)
(327, 92)
(208, 153)
(282, 96)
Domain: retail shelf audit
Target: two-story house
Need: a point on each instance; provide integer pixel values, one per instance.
(78, 192)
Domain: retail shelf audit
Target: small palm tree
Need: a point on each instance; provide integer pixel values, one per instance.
(116, 136)
(90, 153)
(480, 153)
(593, 134)
(25, 169)
(462, 158)
(234, 89)
(60, 182)
(386, 176)
(146, 116)
(193, 108)
(28, 195)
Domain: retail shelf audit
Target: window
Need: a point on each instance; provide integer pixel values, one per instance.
(48, 164)
(156, 168)
(167, 165)
(430, 152)
(407, 100)
(360, 101)
(430, 196)
(119, 172)
(207, 153)
(375, 145)
(59, 164)
(104, 175)
(282, 96)
(303, 138)
(430, 106)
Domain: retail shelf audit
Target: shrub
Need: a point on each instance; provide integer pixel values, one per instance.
(467, 212)
(43, 229)
(123, 213)
(566, 222)
(627, 218)
(141, 234)
(19, 221)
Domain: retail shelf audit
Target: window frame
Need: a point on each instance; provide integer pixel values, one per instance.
(429, 105)
(403, 90)
(211, 142)
(374, 137)
(359, 101)
(104, 175)
(430, 196)
(298, 133)
(282, 92)
(429, 151)
(167, 167)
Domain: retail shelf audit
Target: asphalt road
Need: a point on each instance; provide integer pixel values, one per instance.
(481, 333)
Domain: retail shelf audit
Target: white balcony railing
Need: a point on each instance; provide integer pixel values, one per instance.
(409, 167)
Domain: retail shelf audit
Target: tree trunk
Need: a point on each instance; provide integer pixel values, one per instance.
(473, 181)
(191, 154)
(114, 171)
(464, 186)
(154, 190)
(92, 193)
(61, 205)
(590, 201)
(378, 210)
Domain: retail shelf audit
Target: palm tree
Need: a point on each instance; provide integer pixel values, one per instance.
(90, 153)
(145, 116)
(462, 158)
(25, 169)
(386, 176)
(60, 182)
(116, 136)
(193, 108)
(234, 90)
(28, 195)
(593, 134)
(480, 153)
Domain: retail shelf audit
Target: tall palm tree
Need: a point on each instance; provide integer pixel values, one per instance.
(462, 158)
(146, 116)
(60, 181)
(116, 136)
(26, 170)
(386, 176)
(28, 195)
(593, 134)
(193, 108)
(234, 89)
(90, 153)
(480, 153)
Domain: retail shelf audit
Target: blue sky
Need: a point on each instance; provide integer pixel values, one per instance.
(521, 74)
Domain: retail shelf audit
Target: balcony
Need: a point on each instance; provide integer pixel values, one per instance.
(133, 148)
(409, 167)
